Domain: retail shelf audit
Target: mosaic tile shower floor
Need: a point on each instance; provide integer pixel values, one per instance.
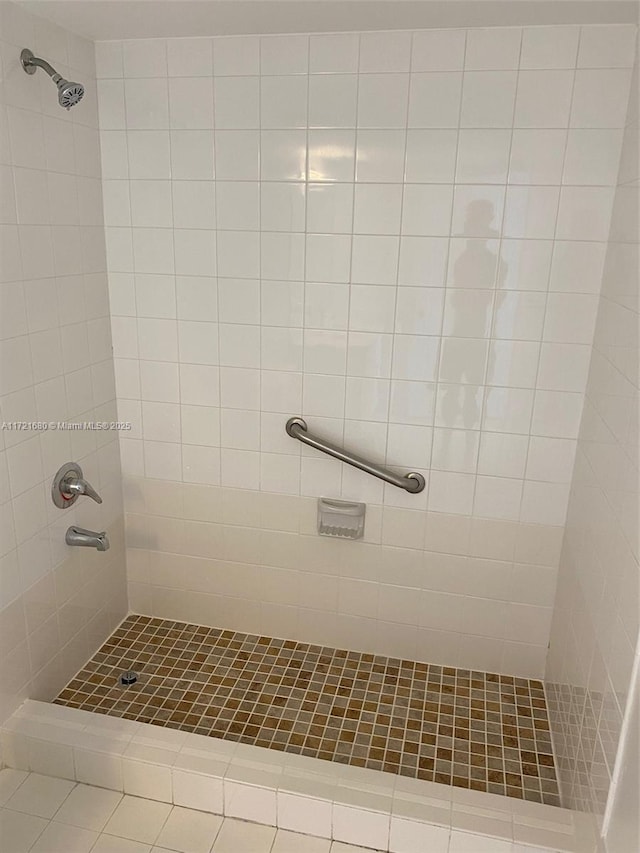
(458, 727)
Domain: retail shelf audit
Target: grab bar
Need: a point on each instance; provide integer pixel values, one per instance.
(297, 428)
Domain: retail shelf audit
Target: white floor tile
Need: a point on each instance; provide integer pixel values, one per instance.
(341, 847)
(88, 807)
(293, 842)
(62, 838)
(40, 795)
(19, 831)
(10, 781)
(111, 844)
(236, 836)
(138, 820)
(189, 831)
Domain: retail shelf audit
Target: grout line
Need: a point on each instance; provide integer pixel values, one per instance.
(554, 242)
(445, 288)
(260, 282)
(354, 179)
(385, 490)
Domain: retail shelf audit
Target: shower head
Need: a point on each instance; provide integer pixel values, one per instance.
(68, 93)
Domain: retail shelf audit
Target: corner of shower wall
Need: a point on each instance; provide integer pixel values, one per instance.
(595, 627)
(57, 604)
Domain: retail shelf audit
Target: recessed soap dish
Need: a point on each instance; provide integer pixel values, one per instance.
(344, 519)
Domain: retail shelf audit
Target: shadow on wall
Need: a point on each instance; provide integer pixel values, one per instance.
(462, 399)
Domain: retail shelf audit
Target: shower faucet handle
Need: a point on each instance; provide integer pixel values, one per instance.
(79, 486)
(69, 484)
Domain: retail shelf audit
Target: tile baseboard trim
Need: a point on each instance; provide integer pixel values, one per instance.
(363, 807)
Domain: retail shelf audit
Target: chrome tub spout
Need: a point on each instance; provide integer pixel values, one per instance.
(87, 538)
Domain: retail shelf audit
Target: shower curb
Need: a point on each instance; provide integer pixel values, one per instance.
(379, 811)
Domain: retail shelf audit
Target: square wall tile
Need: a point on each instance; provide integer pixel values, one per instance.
(359, 827)
(250, 802)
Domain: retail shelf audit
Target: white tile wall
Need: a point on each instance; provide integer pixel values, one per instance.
(56, 605)
(595, 626)
(387, 234)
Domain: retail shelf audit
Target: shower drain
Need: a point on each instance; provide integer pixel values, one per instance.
(128, 677)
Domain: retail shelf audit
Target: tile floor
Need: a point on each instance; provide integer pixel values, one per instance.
(470, 729)
(42, 814)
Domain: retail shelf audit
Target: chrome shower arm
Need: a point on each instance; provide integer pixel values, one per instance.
(35, 61)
